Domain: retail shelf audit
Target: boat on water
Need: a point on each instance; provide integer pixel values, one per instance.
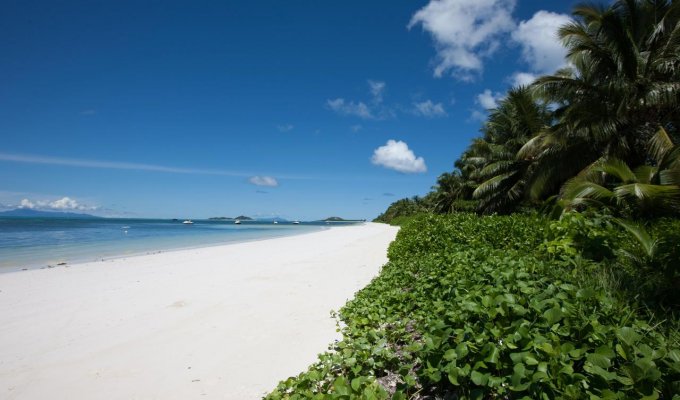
(296, 222)
(237, 222)
(188, 222)
(276, 222)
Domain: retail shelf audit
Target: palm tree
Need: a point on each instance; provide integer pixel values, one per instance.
(623, 83)
(452, 193)
(502, 175)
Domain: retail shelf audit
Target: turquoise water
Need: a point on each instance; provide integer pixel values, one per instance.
(38, 242)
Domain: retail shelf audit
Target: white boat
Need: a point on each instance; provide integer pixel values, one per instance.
(188, 222)
(296, 222)
(276, 222)
(237, 222)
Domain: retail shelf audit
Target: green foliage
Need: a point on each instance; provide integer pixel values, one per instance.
(475, 308)
(581, 235)
(404, 208)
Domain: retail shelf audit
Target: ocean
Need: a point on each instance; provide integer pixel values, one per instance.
(47, 242)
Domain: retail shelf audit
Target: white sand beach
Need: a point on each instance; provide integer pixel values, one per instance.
(222, 322)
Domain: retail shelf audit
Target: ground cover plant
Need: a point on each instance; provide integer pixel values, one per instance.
(497, 307)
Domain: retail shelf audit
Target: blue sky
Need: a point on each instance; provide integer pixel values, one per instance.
(302, 109)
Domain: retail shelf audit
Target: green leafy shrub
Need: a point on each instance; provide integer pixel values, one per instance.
(473, 308)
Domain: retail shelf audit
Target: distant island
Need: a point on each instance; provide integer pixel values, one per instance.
(29, 213)
(338, 219)
(243, 218)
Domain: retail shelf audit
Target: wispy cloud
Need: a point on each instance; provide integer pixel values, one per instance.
(372, 109)
(377, 89)
(355, 128)
(62, 204)
(285, 128)
(429, 109)
(264, 181)
(83, 163)
(88, 112)
(343, 107)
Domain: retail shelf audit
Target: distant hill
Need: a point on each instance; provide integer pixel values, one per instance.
(28, 213)
(334, 219)
(338, 219)
(243, 218)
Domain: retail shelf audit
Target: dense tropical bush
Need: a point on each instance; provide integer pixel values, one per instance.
(478, 308)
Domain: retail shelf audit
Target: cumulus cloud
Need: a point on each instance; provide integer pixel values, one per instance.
(465, 32)
(541, 47)
(397, 156)
(63, 204)
(285, 128)
(26, 203)
(488, 99)
(377, 88)
(264, 181)
(343, 107)
(429, 109)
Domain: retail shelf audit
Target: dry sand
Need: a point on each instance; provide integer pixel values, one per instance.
(223, 322)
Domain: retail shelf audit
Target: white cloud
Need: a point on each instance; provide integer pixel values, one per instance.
(465, 32)
(522, 78)
(397, 156)
(356, 128)
(429, 109)
(541, 47)
(377, 90)
(285, 128)
(359, 109)
(63, 204)
(264, 181)
(488, 99)
(26, 203)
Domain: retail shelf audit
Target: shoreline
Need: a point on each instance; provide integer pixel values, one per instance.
(39, 265)
(156, 245)
(227, 321)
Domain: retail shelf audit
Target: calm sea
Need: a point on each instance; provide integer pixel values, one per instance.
(39, 242)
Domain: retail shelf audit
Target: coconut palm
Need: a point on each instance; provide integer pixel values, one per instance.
(622, 84)
(517, 119)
